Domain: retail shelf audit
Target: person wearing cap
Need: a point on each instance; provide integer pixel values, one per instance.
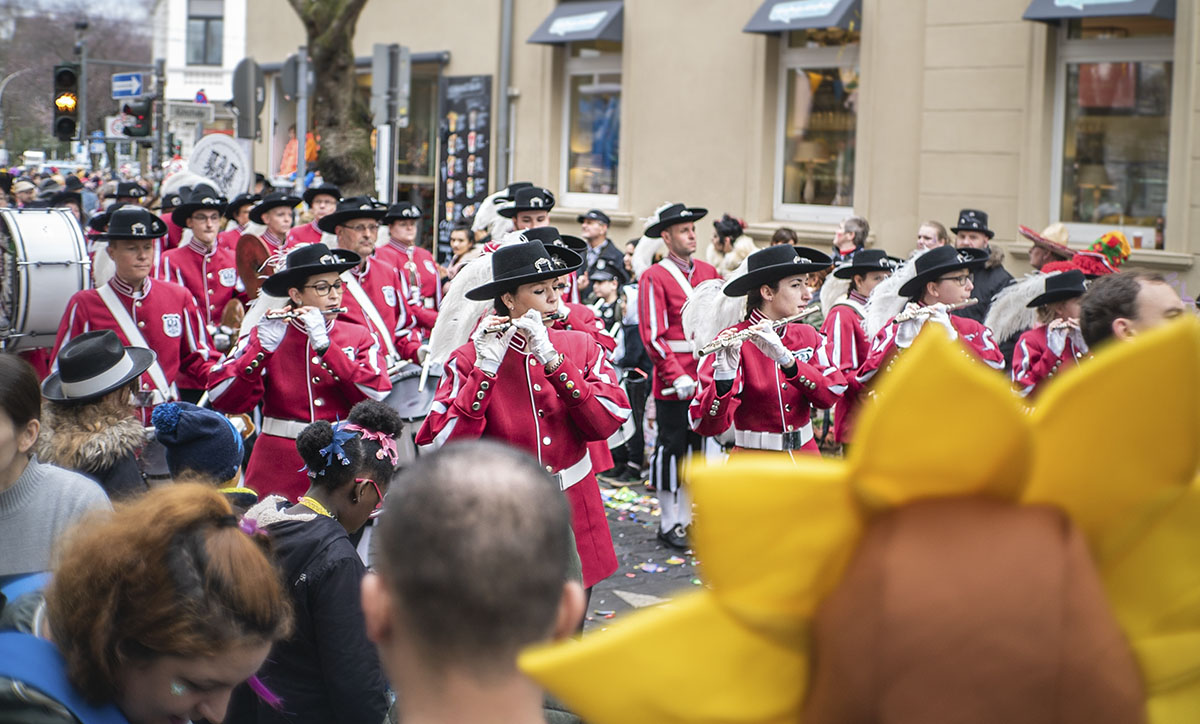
(258, 257)
(307, 367)
(843, 325)
(663, 290)
(420, 283)
(1049, 246)
(601, 254)
(943, 277)
(205, 446)
(768, 388)
(170, 201)
(371, 288)
(144, 312)
(1057, 340)
(237, 212)
(972, 232)
(87, 423)
(24, 192)
(529, 208)
(203, 267)
(322, 201)
(546, 391)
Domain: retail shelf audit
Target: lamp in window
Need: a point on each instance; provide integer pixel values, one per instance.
(1094, 177)
(808, 154)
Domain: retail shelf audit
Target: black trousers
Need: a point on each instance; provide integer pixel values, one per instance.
(674, 443)
(632, 452)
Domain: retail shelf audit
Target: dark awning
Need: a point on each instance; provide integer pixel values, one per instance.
(780, 16)
(1049, 11)
(575, 21)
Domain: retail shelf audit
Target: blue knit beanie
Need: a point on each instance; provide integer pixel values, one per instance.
(197, 439)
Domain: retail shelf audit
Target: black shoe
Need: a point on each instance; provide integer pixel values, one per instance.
(675, 538)
(630, 475)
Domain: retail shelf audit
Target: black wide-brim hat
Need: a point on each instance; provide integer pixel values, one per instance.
(94, 364)
(201, 198)
(525, 262)
(134, 222)
(769, 265)
(510, 191)
(129, 189)
(99, 220)
(312, 192)
(533, 198)
(866, 261)
(308, 261)
(1060, 287)
(170, 201)
(354, 207)
(63, 197)
(271, 201)
(234, 206)
(401, 211)
(675, 214)
(973, 220)
(942, 260)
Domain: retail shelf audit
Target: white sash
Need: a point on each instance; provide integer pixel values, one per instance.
(859, 309)
(371, 313)
(134, 335)
(680, 279)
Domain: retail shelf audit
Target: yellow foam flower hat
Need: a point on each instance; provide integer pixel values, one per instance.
(1114, 445)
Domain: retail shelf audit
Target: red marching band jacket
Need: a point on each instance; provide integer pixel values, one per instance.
(381, 286)
(1034, 361)
(297, 386)
(303, 234)
(974, 335)
(848, 346)
(553, 417)
(167, 317)
(212, 280)
(765, 405)
(400, 256)
(660, 310)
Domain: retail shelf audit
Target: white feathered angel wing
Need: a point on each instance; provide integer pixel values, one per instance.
(885, 301)
(1008, 314)
(833, 289)
(709, 311)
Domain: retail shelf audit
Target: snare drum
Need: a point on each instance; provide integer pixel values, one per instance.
(406, 398)
(43, 261)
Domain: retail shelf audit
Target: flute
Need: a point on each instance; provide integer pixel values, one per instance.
(730, 340)
(554, 316)
(289, 313)
(925, 311)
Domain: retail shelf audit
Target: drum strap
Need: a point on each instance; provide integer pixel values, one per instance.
(131, 332)
(371, 313)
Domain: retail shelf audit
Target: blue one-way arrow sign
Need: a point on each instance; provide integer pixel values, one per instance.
(127, 85)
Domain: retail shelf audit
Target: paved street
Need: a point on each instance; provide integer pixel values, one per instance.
(649, 571)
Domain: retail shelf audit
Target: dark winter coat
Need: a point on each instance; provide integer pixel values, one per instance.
(988, 281)
(99, 440)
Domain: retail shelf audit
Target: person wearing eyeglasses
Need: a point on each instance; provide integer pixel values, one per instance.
(942, 278)
(309, 366)
(327, 670)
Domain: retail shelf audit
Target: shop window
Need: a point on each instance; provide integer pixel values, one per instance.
(1115, 78)
(205, 32)
(592, 125)
(815, 142)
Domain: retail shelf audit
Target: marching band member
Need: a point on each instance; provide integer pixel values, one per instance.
(942, 282)
(664, 288)
(843, 326)
(767, 389)
(154, 315)
(420, 285)
(1057, 340)
(546, 391)
(171, 201)
(321, 201)
(529, 208)
(259, 257)
(307, 367)
(203, 268)
(237, 212)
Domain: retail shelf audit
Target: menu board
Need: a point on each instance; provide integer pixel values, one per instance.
(464, 128)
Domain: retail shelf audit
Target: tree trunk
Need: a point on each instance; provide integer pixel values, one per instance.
(341, 119)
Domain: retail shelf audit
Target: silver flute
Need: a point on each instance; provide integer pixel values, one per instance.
(289, 313)
(731, 340)
(502, 327)
(926, 311)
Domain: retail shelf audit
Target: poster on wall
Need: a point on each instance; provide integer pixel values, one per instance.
(464, 128)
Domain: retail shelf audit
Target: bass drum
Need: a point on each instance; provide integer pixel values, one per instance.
(407, 398)
(43, 261)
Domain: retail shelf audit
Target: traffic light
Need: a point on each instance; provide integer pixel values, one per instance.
(66, 101)
(139, 112)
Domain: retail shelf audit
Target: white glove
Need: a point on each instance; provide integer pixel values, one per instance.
(726, 361)
(685, 387)
(942, 317)
(314, 324)
(767, 340)
(490, 348)
(535, 332)
(270, 333)
(906, 332)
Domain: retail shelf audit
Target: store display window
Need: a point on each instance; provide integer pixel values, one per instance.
(592, 125)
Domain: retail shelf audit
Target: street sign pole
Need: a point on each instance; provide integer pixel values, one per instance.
(83, 79)
(160, 88)
(301, 117)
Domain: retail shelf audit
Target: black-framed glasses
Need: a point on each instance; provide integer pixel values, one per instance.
(323, 288)
(961, 280)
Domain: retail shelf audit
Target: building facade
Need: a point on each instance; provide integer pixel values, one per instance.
(801, 112)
